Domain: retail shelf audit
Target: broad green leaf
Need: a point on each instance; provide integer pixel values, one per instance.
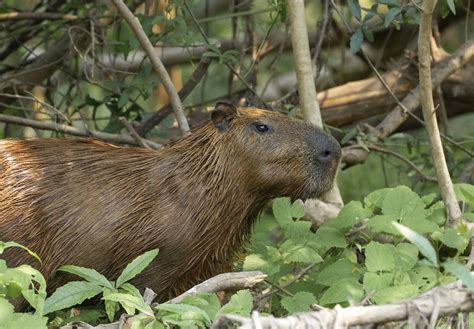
(10, 244)
(256, 262)
(376, 198)
(297, 209)
(429, 198)
(405, 204)
(209, 303)
(343, 291)
(328, 237)
(465, 193)
(379, 257)
(299, 253)
(183, 309)
(392, 294)
(354, 8)
(420, 241)
(136, 266)
(408, 255)
(454, 239)
(424, 277)
(382, 224)
(461, 272)
(240, 303)
(300, 302)
(352, 213)
(339, 270)
(129, 301)
(72, 293)
(11, 320)
(391, 14)
(282, 210)
(296, 230)
(437, 213)
(29, 282)
(88, 274)
(356, 40)
(452, 6)
(376, 282)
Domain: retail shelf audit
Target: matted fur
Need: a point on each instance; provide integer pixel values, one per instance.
(91, 204)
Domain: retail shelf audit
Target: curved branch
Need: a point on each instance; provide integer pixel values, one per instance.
(158, 66)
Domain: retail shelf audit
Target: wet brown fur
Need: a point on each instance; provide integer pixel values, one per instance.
(91, 204)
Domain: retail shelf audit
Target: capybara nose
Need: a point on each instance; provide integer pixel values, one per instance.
(329, 150)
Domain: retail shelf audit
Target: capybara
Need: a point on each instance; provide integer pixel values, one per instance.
(91, 204)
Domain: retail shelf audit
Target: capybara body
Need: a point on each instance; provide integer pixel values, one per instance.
(91, 204)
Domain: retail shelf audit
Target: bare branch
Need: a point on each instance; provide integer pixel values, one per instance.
(18, 16)
(111, 138)
(225, 281)
(158, 66)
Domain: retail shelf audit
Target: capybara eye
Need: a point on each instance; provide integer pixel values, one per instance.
(261, 128)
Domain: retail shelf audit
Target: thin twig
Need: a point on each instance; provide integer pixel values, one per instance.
(407, 161)
(134, 133)
(17, 16)
(155, 60)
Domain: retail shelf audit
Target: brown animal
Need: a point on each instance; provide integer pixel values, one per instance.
(95, 205)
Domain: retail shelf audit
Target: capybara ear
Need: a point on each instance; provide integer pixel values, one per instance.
(223, 115)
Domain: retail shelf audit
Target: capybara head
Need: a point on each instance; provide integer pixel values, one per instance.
(279, 156)
(95, 205)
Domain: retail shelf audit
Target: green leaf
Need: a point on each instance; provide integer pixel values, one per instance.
(296, 230)
(452, 6)
(188, 310)
(405, 204)
(343, 291)
(88, 274)
(376, 282)
(420, 241)
(298, 253)
(352, 213)
(379, 257)
(240, 303)
(461, 272)
(136, 266)
(383, 224)
(130, 302)
(392, 294)
(454, 239)
(129, 288)
(10, 244)
(328, 237)
(424, 277)
(354, 8)
(376, 198)
(408, 255)
(70, 294)
(300, 302)
(282, 210)
(465, 193)
(209, 303)
(391, 14)
(356, 40)
(339, 270)
(11, 320)
(256, 262)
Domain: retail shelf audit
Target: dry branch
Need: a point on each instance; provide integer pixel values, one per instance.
(225, 281)
(445, 300)
(111, 138)
(411, 102)
(18, 16)
(158, 66)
